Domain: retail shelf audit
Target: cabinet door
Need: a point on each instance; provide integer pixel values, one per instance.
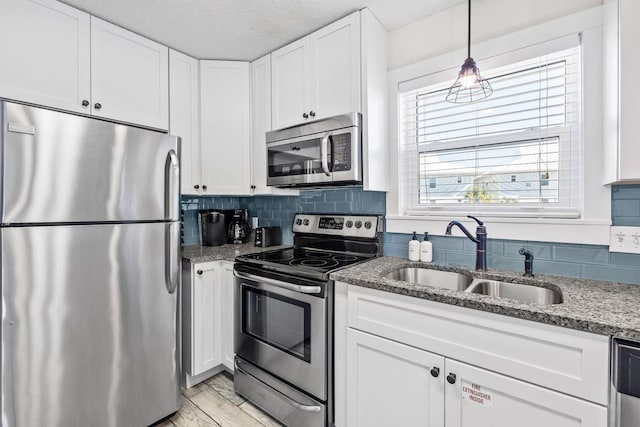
(629, 93)
(260, 124)
(205, 317)
(183, 118)
(225, 127)
(483, 398)
(291, 84)
(228, 309)
(390, 384)
(45, 54)
(335, 68)
(129, 76)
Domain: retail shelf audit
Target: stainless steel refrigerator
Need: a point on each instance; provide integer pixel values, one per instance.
(90, 241)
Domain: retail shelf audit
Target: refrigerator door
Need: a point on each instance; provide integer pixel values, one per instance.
(89, 326)
(61, 168)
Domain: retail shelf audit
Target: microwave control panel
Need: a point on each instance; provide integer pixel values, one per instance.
(341, 152)
(339, 225)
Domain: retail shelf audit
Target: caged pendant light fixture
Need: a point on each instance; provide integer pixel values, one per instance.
(469, 86)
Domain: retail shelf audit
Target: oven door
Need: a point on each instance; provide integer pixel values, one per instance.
(281, 327)
(321, 158)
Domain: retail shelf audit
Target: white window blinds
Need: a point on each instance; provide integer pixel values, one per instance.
(516, 152)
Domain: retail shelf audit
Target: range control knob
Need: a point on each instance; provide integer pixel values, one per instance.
(298, 221)
(349, 223)
(367, 224)
(358, 224)
(305, 222)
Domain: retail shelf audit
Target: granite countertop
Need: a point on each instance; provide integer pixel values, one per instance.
(601, 307)
(197, 253)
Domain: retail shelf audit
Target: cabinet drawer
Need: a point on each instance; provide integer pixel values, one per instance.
(567, 360)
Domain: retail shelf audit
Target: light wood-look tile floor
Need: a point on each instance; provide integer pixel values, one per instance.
(213, 403)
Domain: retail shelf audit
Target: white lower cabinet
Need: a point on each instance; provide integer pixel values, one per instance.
(479, 397)
(408, 361)
(207, 319)
(390, 384)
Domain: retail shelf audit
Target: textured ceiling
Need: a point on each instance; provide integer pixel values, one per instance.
(244, 29)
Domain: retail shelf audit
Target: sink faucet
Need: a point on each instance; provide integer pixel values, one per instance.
(480, 240)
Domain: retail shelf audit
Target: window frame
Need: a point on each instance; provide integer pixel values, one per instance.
(593, 225)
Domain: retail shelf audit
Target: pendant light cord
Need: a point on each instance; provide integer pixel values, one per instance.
(469, 33)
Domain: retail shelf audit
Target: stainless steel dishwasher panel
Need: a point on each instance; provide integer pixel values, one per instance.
(625, 384)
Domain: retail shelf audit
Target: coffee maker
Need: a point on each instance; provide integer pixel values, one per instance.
(238, 229)
(213, 231)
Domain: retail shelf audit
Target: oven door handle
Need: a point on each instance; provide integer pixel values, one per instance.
(279, 284)
(300, 406)
(324, 149)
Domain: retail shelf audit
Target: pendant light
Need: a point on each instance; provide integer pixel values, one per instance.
(469, 86)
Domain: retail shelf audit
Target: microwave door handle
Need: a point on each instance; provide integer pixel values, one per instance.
(324, 148)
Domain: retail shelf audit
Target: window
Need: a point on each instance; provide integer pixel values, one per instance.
(517, 151)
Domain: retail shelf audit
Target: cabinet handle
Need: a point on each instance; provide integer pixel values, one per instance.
(305, 115)
(312, 113)
(97, 106)
(451, 378)
(199, 271)
(204, 187)
(253, 187)
(85, 103)
(435, 371)
(196, 186)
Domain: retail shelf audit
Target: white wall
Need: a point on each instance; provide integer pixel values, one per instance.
(447, 30)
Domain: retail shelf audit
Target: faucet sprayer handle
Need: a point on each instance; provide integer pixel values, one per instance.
(475, 219)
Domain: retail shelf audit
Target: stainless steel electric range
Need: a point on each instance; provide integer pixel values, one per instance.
(284, 316)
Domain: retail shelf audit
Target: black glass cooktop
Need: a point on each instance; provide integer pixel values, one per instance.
(296, 259)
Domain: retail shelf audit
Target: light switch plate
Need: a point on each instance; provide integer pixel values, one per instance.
(625, 239)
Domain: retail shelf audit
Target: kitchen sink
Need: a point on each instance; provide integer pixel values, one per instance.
(514, 291)
(436, 278)
(461, 282)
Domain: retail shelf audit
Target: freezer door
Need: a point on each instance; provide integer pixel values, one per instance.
(89, 325)
(61, 168)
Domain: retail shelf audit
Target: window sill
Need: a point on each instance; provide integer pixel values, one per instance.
(579, 231)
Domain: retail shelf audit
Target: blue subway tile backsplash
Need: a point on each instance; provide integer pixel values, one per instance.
(586, 261)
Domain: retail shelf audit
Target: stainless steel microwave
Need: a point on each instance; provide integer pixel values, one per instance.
(324, 152)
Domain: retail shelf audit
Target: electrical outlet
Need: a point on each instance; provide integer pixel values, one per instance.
(625, 239)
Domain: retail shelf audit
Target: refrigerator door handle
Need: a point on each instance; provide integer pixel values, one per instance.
(172, 256)
(172, 186)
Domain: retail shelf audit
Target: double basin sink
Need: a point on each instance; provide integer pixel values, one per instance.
(464, 283)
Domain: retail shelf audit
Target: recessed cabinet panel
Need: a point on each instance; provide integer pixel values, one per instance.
(225, 127)
(45, 54)
(129, 76)
(390, 384)
(482, 398)
(335, 68)
(184, 107)
(291, 84)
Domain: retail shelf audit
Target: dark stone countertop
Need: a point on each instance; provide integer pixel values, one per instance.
(196, 253)
(604, 308)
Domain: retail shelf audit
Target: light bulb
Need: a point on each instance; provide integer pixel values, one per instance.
(469, 80)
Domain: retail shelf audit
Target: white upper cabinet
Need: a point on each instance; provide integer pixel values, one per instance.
(184, 92)
(60, 57)
(260, 124)
(129, 76)
(291, 84)
(621, 64)
(225, 127)
(317, 76)
(45, 54)
(335, 68)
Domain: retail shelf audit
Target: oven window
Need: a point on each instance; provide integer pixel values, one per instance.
(281, 322)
